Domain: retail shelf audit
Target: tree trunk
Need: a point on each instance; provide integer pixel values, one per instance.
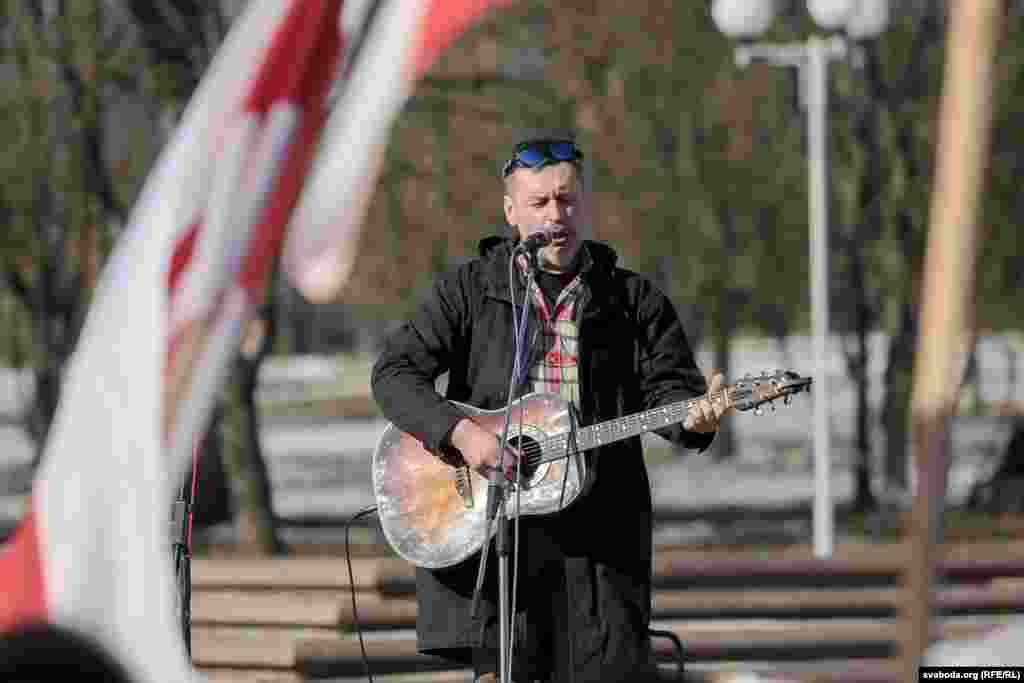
(212, 503)
(257, 517)
(857, 361)
(44, 406)
(900, 366)
(301, 323)
(857, 365)
(869, 225)
(47, 336)
(896, 405)
(724, 445)
(863, 497)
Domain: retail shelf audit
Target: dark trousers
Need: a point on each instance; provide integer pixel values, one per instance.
(542, 649)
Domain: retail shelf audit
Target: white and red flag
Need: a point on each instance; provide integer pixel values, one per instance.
(401, 42)
(92, 552)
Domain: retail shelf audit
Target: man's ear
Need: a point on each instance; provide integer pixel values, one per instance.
(509, 211)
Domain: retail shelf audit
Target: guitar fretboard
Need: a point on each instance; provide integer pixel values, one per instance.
(610, 431)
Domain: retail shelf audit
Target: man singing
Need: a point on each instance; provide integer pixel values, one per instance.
(604, 339)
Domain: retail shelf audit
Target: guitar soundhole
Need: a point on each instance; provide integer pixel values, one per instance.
(531, 451)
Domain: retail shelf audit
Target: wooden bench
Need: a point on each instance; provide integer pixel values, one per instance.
(285, 619)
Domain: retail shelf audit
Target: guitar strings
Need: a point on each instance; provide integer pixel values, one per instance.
(559, 442)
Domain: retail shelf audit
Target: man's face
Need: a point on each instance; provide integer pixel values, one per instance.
(549, 198)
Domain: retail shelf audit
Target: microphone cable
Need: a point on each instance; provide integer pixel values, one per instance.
(352, 587)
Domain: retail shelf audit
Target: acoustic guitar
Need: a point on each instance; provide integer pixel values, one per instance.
(433, 510)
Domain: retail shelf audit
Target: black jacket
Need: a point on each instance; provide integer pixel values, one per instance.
(633, 356)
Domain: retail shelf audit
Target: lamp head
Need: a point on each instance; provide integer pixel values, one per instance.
(869, 21)
(831, 15)
(743, 18)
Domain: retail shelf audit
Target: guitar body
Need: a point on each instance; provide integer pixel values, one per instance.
(435, 514)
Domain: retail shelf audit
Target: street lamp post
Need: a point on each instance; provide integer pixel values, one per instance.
(861, 19)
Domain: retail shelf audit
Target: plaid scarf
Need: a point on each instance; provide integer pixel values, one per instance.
(555, 370)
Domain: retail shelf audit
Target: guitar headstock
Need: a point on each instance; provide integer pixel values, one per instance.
(753, 391)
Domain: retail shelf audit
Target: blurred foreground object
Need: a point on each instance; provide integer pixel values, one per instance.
(92, 553)
(46, 652)
(963, 148)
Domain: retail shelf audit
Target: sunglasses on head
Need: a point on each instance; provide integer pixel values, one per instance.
(538, 153)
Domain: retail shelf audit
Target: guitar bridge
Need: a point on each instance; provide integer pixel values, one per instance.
(464, 485)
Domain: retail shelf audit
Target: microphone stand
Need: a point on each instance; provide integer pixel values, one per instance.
(498, 486)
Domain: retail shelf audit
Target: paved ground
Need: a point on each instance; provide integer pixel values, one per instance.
(999, 649)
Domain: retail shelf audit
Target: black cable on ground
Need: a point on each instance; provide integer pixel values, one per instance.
(352, 588)
(677, 645)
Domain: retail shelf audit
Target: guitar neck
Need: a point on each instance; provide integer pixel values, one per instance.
(610, 431)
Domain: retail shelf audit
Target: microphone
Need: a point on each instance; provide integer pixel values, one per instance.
(532, 244)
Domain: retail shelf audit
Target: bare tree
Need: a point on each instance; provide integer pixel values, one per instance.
(61, 208)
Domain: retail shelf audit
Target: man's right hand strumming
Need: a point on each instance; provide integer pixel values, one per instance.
(479, 448)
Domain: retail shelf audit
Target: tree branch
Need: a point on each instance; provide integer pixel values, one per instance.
(165, 37)
(35, 9)
(912, 82)
(21, 289)
(95, 173)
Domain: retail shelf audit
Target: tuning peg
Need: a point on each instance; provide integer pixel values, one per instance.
(772, 404)
(787, 399)
(759, 411)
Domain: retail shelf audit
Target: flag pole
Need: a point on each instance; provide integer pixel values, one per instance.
(948, 284)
